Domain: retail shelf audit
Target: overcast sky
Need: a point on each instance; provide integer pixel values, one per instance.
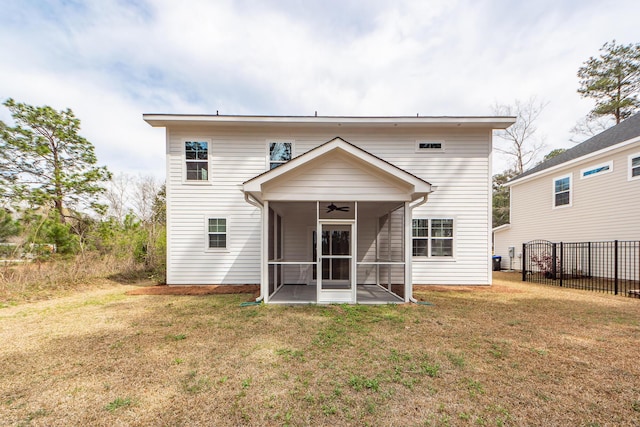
(110, 61)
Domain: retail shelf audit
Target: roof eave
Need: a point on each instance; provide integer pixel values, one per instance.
(572, 162)
(492, 122)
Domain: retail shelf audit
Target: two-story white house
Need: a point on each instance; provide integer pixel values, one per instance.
(328, 209)
(588, 193)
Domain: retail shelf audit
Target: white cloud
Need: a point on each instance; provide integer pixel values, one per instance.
(111, 61)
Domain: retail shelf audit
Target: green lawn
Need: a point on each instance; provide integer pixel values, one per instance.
(518, 354)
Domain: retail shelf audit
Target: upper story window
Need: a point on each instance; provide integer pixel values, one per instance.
(597, 170)
(279, 153)
(634, 166)
(562, 191)
(433, 237)
(196, 154)
(430, 146)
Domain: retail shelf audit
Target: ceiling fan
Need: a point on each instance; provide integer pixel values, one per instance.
(332, 207)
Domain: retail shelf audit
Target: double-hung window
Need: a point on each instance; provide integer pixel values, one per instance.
(196, 154)
(217, 233)
(433, 237)
(634, 166)
(279, 153)
(562, 191)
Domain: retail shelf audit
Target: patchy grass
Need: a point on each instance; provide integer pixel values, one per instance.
(38, 280)
(513, 354)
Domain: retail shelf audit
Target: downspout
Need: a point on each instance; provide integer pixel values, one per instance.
(252, 201)
(421, 201)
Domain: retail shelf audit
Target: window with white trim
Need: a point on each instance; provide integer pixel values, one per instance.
(562, 191)
(634, 166)
(217, 233)
(430, 146)
(196, 155)
(596, 170)
(279, 153)
(432, 237)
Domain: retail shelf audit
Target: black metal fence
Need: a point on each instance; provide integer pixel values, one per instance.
(612, 266)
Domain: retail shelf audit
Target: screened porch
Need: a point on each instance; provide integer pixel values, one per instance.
(360, 256)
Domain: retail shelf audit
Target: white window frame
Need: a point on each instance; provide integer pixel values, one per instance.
(185, 161)
(281, 140)
(553, 191)
(429, 238)
(207, 233)
(630, 176)
(596, 167)
(430, 150)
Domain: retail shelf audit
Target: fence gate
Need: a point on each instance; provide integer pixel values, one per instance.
(540, 262)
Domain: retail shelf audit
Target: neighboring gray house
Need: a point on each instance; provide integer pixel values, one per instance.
(590, 192)
(396, 201)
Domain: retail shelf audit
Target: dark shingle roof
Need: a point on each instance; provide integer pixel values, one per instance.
(626, 130)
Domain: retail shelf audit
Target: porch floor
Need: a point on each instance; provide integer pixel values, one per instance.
(306, 294)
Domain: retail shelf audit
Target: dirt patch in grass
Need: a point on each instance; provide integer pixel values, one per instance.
(196, 290)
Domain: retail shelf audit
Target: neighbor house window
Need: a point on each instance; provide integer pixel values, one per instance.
(279, 153)
(597, 170)
(634, 166)
(433, 237)
(431, 146)
(196, 154)
(562, 191)
(217, 233)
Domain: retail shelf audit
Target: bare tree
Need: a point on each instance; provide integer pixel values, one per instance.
(589, 126)
(118, 196)
(145, 192)
(520, 142)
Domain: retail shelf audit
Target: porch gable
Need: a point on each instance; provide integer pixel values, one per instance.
(337, 170)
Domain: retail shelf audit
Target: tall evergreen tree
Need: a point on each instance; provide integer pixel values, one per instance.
(50, 164)
(613, 81)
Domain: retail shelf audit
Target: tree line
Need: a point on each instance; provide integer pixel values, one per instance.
(56, 198)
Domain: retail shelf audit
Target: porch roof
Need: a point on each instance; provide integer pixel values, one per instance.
(385, 180)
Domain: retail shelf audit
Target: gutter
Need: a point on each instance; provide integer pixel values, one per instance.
(252, 201)
(419, 202)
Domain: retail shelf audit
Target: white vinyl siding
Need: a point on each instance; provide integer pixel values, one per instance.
(335, 176)
(461, 174)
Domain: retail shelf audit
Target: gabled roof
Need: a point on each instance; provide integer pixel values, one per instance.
(625, 131)
(339, 145)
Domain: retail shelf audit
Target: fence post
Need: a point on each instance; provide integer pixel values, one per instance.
(589, 261)
(561, 262)
(523, 262)
(554, 260)
(615, 266)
